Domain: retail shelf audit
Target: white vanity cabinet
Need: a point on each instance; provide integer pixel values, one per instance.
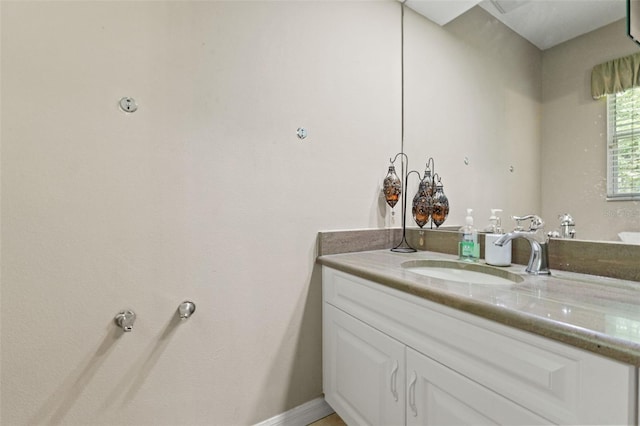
(391, 358)
(363, 371)
(437, 395)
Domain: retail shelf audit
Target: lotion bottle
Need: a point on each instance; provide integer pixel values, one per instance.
(493, 254)
(468, 247)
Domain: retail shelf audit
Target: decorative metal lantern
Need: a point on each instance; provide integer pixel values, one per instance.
(392, 187)
(422, 203)
(440, 205)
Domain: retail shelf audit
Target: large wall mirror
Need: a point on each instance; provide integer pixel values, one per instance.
(511, 121)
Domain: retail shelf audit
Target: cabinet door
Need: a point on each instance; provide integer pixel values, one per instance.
(363, 371)
(437, 395)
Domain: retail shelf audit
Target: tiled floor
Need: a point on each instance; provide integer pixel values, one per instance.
(332, 420)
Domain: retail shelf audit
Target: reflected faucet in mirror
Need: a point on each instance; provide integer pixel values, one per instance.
(539, 259)
(567, 227)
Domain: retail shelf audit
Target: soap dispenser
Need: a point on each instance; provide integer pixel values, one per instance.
(493, 254)
(469, 248)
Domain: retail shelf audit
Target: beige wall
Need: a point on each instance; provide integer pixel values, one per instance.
(206, 193)
(574, 142)
(473, 91)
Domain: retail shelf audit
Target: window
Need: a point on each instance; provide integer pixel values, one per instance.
(623, 145)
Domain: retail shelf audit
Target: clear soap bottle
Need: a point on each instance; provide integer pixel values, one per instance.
(468, 247)
(493, 254)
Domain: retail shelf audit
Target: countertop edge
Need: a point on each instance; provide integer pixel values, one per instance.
(589, 340)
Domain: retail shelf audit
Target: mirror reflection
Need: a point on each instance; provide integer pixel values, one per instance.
(518, 109)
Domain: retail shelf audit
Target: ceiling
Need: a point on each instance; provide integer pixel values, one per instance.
(545, 23)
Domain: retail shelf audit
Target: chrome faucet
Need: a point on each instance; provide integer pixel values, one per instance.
(539, 260)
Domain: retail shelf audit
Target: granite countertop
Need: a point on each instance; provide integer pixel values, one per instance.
(598, 314)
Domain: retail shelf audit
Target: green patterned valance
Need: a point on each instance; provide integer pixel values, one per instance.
(615, 76)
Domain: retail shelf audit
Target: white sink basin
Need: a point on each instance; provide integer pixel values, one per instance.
(462, 272)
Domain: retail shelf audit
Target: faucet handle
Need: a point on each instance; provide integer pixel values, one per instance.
(536, 222)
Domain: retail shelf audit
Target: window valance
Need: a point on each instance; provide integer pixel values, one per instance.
(615, 76)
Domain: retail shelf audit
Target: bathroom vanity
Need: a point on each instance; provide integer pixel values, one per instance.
(400, 347)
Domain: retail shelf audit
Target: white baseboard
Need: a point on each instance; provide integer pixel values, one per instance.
(301, 415)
